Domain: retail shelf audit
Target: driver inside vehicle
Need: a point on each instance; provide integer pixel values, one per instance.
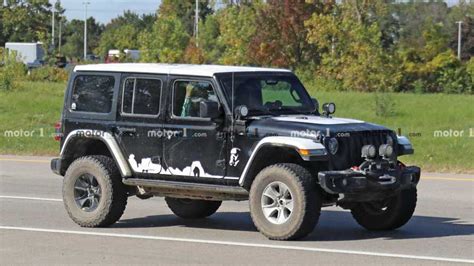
(194, 96)
(249, 94)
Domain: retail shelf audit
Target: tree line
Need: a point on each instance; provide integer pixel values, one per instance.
(357, 45)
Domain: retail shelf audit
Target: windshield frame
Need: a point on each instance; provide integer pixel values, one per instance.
(309, 106)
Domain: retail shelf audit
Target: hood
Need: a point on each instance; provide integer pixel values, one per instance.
(309, 125)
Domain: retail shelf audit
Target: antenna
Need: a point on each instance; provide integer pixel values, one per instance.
(232, 110)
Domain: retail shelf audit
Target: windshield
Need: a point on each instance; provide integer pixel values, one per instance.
(267, 94)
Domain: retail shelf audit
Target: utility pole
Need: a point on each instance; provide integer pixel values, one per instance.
(52, 25)
(85, 29)
(459, 38)
(196, 23)
(60, 33)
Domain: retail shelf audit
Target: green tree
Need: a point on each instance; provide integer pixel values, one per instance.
(352, 52)
(208, 36)
(237, 27)
(73, 46)
(74, 37)
(184, 10)
(122, 32)
(282, 36)
(25, 20)
(165, 42)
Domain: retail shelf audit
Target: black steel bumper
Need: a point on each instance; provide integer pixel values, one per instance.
(359, 182)
(56, 165)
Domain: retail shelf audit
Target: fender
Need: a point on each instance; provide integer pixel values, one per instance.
(308, 149)
(404, 146)
(109, 141)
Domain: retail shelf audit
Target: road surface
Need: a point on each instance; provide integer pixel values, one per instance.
(35, 229)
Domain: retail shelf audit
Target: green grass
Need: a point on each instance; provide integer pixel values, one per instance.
(34, 108)
(37, 106)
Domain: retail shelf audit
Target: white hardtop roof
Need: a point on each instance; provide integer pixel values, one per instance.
(174, 69)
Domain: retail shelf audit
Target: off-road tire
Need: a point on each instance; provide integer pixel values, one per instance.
(306, 202)
(400, 209)
(113, 192)
(192, 208)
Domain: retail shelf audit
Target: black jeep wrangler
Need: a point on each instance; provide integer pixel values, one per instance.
(201, 134)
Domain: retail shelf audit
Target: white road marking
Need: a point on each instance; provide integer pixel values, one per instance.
(240, 244)
(29, 198)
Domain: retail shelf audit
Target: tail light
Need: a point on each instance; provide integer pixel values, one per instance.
(58, 131)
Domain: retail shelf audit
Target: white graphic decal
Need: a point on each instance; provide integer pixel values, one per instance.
(234, 157)
(147, 166)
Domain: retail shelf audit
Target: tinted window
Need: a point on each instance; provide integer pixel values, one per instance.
(141, 96)
(188, 96)
(93, 93)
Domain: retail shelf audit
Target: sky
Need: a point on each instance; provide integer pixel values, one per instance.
(105, 10)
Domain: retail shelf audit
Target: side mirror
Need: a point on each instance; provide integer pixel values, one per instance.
(209, 109)
(329, 109)
(316, 104)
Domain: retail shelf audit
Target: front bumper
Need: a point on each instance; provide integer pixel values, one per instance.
(352, 182)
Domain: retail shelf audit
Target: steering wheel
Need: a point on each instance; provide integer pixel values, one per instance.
(273, 105)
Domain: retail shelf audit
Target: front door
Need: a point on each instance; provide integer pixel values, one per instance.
(194, 147)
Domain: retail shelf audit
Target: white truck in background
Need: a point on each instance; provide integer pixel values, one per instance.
(114, 55)
(31, 54)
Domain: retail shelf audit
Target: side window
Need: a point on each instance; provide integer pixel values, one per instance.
(93, 93)
(141, 96)
(188, 94)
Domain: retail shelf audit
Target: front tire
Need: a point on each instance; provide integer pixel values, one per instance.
(93, 192)
(192, 208)
(389, 214)
(284, 202)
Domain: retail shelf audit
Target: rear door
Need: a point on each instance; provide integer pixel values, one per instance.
(140, 121)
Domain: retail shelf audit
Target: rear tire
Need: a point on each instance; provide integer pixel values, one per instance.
(387, 215)
(192, 208)
(93, 192)
(284, 202)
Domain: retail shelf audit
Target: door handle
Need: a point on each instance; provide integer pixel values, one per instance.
(128, 130)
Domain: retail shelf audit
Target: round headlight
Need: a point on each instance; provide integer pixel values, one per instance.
(333, 146)
(386, 150)
(389, 140)
(369, 151)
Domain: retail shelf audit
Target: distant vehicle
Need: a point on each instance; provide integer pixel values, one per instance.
(92, 57)
(31, 54)
(201, 134)
(113, 56)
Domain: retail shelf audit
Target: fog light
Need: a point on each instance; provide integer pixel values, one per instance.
(386, 150)
(368, 151)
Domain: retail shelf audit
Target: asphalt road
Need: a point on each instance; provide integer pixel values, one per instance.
(35, 229)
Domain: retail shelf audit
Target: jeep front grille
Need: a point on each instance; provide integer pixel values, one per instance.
(350, 145)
